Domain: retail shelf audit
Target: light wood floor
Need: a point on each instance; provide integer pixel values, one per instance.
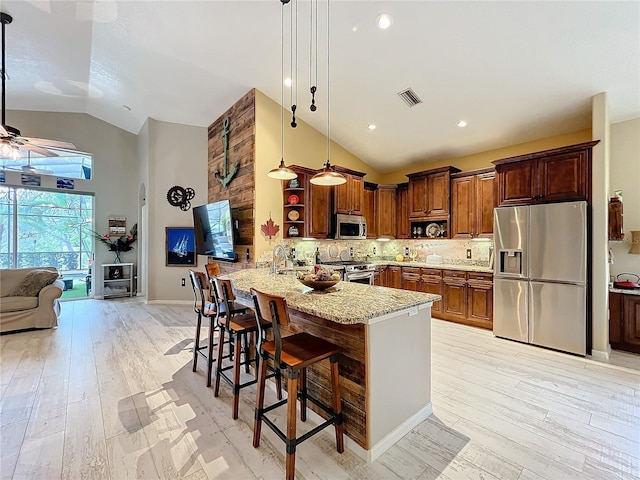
(110, 394)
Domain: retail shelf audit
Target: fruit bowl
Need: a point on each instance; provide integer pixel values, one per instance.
(317, 284)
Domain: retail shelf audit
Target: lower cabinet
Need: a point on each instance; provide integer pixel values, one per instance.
(394, 277)
(380, 276)
(455, 298)
(624, 322)
(480, 299)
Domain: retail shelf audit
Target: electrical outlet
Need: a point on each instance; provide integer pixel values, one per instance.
(406, 251)
(184, 282)
(468, 253)
(351, 251)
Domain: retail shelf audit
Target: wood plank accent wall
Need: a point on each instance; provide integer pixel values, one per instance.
(241, 190)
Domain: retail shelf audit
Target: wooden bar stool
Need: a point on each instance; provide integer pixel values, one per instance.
(293, 354)
(207, 310)
(237, 325)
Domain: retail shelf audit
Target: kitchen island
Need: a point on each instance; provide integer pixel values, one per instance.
(385, 369)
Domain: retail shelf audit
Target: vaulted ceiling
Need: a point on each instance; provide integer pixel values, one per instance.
(515, 71)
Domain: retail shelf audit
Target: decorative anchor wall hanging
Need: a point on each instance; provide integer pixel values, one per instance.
(228, 175)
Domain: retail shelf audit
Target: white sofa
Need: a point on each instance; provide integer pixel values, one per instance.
(19, 312)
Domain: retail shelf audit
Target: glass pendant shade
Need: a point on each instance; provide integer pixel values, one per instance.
(282, 172)
(328, 177)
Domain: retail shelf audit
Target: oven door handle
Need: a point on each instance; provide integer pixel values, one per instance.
(360, 275)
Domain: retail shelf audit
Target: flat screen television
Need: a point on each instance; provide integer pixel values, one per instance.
(213, 228)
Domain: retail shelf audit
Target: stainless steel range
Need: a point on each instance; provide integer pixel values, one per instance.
(355, 271)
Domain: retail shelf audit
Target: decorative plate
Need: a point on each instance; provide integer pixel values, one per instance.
(294, 183)
(293, 215)
(432, 230)
(293, 199)
(293, 231)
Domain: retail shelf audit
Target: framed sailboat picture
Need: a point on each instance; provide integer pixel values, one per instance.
(180, 247)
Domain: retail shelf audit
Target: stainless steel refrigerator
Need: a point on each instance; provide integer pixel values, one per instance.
(540, 275)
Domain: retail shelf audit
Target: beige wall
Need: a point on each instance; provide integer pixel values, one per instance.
(115, 171)
(304, 146)
(177, 155)
(625, 176)
(484, 159)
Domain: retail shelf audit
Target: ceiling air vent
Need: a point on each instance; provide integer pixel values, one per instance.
(410, 97)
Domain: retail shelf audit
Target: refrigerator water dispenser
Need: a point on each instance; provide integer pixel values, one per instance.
(510, 262)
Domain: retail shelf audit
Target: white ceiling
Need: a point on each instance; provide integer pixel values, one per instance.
(516, 71)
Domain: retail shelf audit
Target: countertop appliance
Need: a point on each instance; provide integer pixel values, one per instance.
(540, 275)
(355, 271)
(350, 227)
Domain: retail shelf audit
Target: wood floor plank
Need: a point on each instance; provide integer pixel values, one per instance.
(129, 457)
(40, 458)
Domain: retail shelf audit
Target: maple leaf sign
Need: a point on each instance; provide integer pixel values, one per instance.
(270, 229)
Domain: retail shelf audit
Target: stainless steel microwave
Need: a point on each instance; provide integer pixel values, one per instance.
(351, 227)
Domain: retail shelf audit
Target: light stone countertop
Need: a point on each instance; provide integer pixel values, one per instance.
(625, 291)
(346, 302)
(442, 266)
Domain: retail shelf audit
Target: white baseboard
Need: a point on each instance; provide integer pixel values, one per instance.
(600, 355)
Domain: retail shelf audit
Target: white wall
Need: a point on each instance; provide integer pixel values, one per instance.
(115, 171)
(625, 176)
(177, 155)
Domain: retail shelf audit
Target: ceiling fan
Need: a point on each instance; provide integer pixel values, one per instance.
(12, 144)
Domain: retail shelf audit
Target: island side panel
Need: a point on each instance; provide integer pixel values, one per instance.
(399, 379)
(352, 371)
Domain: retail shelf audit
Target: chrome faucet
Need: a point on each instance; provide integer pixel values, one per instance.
(279, 255)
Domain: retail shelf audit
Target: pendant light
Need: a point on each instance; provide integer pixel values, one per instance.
(282, 172)
(328, 176)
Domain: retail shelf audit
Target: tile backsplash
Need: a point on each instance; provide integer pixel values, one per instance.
(451, 251)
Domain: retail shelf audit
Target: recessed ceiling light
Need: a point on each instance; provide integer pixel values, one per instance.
(383, 21)
(371, 126)
(354, 28)
(287, 82)
(462, 123)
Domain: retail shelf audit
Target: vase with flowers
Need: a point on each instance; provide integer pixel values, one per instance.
(119, 244)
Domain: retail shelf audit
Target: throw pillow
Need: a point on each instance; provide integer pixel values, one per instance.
(33, 282)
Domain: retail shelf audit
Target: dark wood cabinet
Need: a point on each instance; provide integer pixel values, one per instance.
(403, 226)
(472, 203)
(480, 299)
(432, 283)
(380, 276)
(411, 279)
(616, 231)
(385, 211)
(429, 193)
(349, 197)
(455, 297)
(624, 322)
(310, 216)
(557, 175)
(394, 277)
(369, 209)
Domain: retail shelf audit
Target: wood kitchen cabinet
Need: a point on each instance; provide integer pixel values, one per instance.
(411, 279)
(349, 197)
(385, 211)
(432, 283)
(472, 204)
(429, 193)
(369, 209)
(394, 276)
(403, 226)
(455, 295)
(480, 299)
(380, 276)
(306, 221)
(557, 175)
(624, 322)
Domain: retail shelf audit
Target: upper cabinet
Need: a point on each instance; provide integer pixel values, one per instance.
(403, 227)
(557, 175)
(472, 203)
(385, 208)
(299, 195)
(369, 209)
(429, 193)
(349, 196)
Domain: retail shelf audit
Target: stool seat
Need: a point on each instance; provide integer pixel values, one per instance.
(245, 322)
(301, 350)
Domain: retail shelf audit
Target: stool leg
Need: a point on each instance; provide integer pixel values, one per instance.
(212, 330)
(236, 377)
(262, 380)
(196, 346)
(302, 385)
(216, 388)
(292, 388)
(246, 353)
(278, 375)
(337, 405)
